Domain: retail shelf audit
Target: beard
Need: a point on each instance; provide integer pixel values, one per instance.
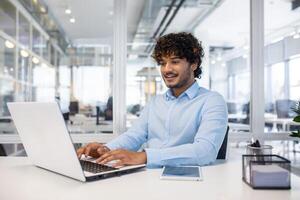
(179, 81)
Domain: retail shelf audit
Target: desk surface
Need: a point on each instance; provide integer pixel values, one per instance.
(20, 180)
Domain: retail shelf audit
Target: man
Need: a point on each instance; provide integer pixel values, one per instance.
(184, 126)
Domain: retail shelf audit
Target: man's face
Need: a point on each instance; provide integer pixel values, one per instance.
(176, 72)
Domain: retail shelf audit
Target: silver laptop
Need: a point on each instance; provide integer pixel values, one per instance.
(48, 144)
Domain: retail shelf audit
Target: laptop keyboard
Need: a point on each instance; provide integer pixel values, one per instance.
(95, 167)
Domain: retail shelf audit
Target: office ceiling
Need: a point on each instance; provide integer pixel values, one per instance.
(229, 24)
(222, 22)
(93, 19)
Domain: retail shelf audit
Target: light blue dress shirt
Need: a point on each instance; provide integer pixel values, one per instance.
(187, 130)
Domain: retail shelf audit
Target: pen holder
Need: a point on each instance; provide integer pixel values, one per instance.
(266, 171)
(262, 150)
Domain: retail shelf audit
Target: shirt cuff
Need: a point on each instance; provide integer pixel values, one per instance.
(111, 146)
(153, 157)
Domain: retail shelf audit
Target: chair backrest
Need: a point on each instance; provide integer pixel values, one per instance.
(283, 108)
(223, 149)
(74, 107)
(2, 151)
(232, 107)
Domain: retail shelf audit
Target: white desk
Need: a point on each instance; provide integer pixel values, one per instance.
(285, 122)
(236, 127)
(20, 180)
(237, 116)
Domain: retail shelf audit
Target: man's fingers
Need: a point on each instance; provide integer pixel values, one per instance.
(104, 156)
(107, 159)
(87, 151)
(80, 152)
(109, 156)
(101, 150)
(118, 164)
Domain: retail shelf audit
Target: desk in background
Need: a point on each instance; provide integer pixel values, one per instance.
(284, 122)
(20, 180)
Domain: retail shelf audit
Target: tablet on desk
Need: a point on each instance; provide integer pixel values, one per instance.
(182, 173)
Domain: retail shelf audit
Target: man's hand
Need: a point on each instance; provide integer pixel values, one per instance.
(94, 150)
(123, 157)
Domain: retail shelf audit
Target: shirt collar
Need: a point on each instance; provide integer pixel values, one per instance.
(191, 92)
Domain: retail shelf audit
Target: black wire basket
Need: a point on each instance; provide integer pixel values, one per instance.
(267, 171)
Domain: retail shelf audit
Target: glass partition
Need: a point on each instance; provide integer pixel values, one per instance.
(36, 41)
(44, 82)
(282, 53)
(225, 36)
(24, 31)
(8, 18)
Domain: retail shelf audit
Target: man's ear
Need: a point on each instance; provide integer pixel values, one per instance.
(194, 66)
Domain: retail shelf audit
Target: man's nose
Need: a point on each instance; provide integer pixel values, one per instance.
(168, 67)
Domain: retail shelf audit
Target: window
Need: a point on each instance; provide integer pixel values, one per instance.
(225, 36)
(36, 41)
(24, 31)
(8, 18)
(277, 81)
(294, 79)
(282, 48)
(44, 82)
(92, 85)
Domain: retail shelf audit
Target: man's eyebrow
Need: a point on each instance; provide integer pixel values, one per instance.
(174, 57)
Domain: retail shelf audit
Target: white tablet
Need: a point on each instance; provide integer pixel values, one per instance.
(182, 173)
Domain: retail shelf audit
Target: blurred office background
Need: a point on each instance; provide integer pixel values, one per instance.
(65, 51)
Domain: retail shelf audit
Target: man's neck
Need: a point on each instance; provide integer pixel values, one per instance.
(178, 91)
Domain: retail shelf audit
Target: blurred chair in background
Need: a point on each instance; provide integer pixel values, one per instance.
(283, 108)
(2, 151)
(108, 112)
(74, 107)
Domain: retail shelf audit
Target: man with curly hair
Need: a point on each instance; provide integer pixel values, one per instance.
(184, 126)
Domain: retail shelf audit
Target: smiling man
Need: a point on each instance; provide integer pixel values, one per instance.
(184, 126)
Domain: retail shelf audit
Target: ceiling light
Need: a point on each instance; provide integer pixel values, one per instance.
(43, 9)
(9, 44)
(277, 40)
(68, 11)
(24, 53)
(296, 36)
(245, 56)
(223, 65)
(35, 60)
(11, 69)
(295, 56)
(219, 58)
(44, 65)
(72, 20)
(213, 62)
(292, 33)
(111, 12)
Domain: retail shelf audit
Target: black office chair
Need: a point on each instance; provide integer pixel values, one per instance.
(223, 148)
(2, 151)
(73, 107)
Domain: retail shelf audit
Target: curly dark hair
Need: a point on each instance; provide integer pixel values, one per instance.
(183, 45)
